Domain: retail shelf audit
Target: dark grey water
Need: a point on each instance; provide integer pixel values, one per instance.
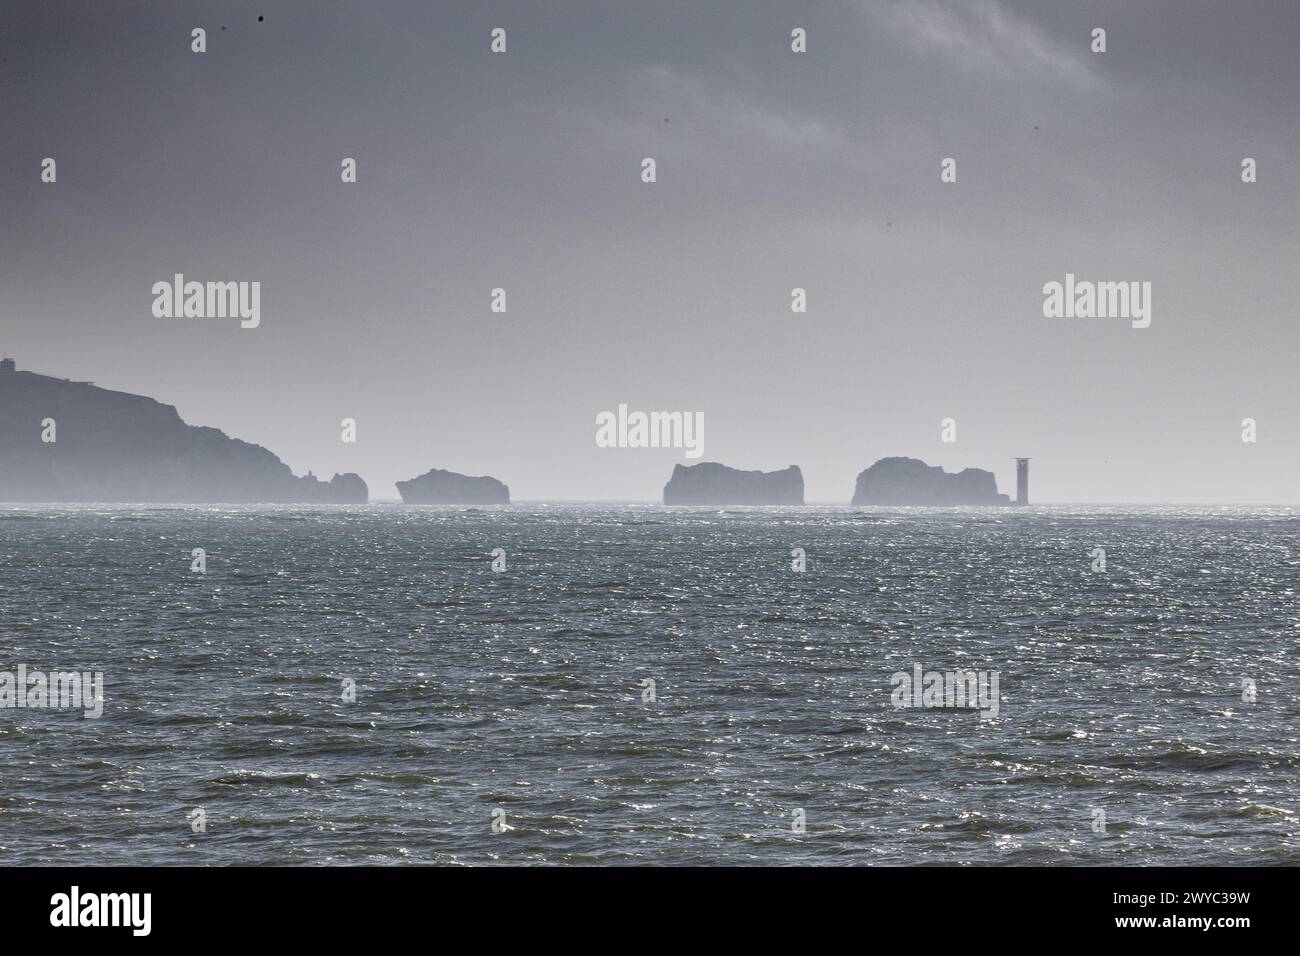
(521, 691)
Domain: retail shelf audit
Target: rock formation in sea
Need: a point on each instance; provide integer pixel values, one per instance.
(438, 487)
(910, 481)
(116, 447)
(709, 483)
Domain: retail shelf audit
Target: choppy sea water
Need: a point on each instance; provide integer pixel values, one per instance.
(521, 691)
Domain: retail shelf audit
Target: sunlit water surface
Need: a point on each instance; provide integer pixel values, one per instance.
(521, 691)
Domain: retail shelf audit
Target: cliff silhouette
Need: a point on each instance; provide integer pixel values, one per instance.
(709, 483)
(910, 481)
(117, 447)
(438, 487)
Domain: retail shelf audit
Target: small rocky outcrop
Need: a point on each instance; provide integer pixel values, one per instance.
(709, 483)
(910, 481)
(345, 489)
(438, 487)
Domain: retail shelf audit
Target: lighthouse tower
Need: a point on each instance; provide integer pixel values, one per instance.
(1022, 481)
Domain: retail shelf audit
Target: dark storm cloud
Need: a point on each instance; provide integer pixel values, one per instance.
(776, 170)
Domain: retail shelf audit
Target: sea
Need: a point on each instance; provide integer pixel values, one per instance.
(633, 684)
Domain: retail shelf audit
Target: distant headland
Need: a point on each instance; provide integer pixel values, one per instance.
(65, 441)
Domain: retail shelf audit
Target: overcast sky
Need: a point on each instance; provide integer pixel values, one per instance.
(775, 170)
